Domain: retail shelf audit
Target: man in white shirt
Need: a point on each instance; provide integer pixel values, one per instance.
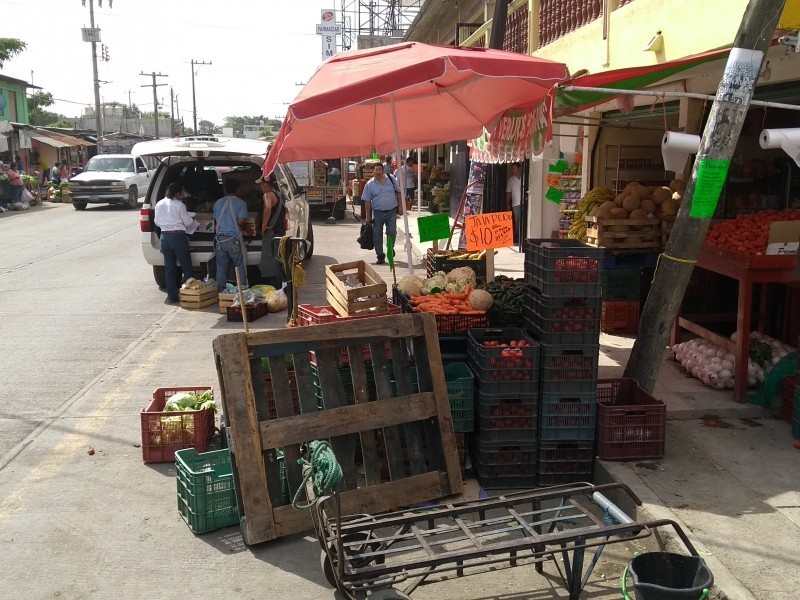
(174, 220)
(514, 198)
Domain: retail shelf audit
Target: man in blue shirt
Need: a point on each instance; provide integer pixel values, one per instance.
(230, 216)
(381, 207)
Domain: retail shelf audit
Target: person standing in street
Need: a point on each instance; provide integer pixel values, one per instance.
(381, 207)
(173, 219)
(514, 198)
(409, 181)
(230, 217)
(15, 181)
(273, 225)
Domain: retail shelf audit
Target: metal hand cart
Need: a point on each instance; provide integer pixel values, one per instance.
(388, 556)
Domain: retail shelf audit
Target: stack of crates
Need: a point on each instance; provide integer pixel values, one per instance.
(626, 280)
(505, 364)
(563, 313)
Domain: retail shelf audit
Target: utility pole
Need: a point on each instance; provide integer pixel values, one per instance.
(154, 85)
(702, 193)
(178, 112)
(194, 97)
(171, 112)
(92, 34)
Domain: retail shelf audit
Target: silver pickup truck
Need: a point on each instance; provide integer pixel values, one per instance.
(111, 179)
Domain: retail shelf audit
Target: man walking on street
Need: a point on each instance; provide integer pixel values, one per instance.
(409, 181)
(173, 219)
(514, 198)
(230, 216)
(381, 207)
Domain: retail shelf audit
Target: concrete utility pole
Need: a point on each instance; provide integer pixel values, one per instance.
(154, 85)
(93, 35)
(194, 97)
(702, 193)
(171, 112)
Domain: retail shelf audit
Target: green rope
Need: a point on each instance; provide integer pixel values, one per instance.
(323, 470)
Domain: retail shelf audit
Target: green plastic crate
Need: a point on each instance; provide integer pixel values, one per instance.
(460, 392)
(206, 496)
(622, 284)
(347, 381)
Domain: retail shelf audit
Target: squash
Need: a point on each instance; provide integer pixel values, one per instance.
(648, 206)
(677, 185)
(661, 194)
(481, 300)
(619, 213)
(638, 214)
(607, 205)
(669, 208)
(631, 203)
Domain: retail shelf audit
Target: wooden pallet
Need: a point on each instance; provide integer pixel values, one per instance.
(225, 300)
(350, 302)
(416, 425)
(195, 299)
(641, 234)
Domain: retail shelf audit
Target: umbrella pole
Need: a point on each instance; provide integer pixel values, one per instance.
(419, 181)
(402, 190)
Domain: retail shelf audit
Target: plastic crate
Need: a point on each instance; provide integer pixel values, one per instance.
(622, 284)
(620, 318)
(164, 433)
(453, 348)
(629, 260)
(632, 422)
(567, 416)
(347, 381)
(565, 462)
(460, 384)
(563, 267)
(499, 374)
(787, 397)
(255, 311)
(569, 369)
(505, 466)
(270, 394)
(308, 314)
(507, 419)
(206, 494)
(445, 324)
(443, 263)
(570, 321)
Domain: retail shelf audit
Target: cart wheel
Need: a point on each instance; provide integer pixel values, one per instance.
(327, 568)
(357, 563)
(388, 594)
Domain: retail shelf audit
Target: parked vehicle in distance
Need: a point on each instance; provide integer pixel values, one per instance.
(111, 179)
(201, 164)
(325, 193)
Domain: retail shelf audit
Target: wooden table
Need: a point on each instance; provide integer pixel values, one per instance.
(747, 271)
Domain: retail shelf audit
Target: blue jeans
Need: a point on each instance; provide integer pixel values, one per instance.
(16, 193)
(381, 218)
(175, 248)
(229, 250)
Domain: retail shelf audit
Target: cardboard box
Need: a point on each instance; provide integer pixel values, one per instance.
(784, 238)
(206, 221)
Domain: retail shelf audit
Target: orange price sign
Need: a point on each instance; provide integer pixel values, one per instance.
(492, 230)
(554, 180)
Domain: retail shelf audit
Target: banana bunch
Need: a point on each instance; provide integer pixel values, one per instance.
(592, 199)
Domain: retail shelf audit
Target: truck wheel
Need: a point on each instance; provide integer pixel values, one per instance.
(133, 198)
(159, 276)
(341, 206)
(79, 205)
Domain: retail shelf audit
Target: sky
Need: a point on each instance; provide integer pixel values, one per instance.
(259, 49)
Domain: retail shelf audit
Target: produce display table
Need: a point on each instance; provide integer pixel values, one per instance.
(747, 271)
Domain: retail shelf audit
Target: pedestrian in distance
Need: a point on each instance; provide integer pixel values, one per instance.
(230, 217)
(63, 172)
(15, 181)
(409, 180)
(514, 198)
(174, 220)
(381, 198)
(273, 225)
(20, 164)
(55, 173)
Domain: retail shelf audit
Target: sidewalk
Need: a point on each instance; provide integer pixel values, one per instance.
(734, 489)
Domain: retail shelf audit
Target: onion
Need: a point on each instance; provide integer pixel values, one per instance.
(720, 353)
(727, 364)
(729, 383)
(729, 356)
(725, 374)
(715, 367)
(751, 380)
(711, 352)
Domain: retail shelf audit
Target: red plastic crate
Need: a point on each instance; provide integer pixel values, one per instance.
(632, 424)
(787, 397)
(177, 431)
(620, 318)
(270, 395)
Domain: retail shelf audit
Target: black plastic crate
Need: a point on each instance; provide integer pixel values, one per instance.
(567, 417)
(629, 260)
(504, 369)
(622, 284)
(507, 419)
(254, 311)
(569, 369)
(443, 263)
(563, 321)
(563, 267)
(565, 462)
(505, 465)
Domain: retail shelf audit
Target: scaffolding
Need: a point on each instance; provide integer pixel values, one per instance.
(370, 23)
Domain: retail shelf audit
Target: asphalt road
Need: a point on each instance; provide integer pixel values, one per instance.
(86, 339)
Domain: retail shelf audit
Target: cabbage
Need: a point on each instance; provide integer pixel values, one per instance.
(181, 401)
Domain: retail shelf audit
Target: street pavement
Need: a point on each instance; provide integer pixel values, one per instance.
(87, 338)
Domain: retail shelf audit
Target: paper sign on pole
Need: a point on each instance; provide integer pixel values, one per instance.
(492, 230)
(435, 227)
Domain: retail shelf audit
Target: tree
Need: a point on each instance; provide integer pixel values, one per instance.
(37, 102)
(207, 127)
(9, 48)
(238, 123)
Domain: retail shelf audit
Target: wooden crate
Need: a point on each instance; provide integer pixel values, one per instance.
(408, 424)
(225, 300)
(351, 302)
(643, 234)
(667, 223)
(195, 299)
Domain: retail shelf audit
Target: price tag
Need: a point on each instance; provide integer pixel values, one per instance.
(435, 227)
(711, 175)
(492, 230)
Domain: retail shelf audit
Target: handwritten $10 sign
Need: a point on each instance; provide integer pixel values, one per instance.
(492, 230)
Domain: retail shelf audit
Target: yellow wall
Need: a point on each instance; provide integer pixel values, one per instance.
(688, 26)
(790, 19)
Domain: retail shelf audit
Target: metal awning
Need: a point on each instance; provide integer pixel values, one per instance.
(48, 140)
(57, 140)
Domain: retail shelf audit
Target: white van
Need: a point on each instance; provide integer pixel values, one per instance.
(200, 164)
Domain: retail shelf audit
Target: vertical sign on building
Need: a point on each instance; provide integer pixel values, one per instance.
(327, 29)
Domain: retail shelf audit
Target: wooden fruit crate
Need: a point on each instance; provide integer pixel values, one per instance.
(225, 300)
(350, 302)
(667, 223)
(641, 234)
(194, 299)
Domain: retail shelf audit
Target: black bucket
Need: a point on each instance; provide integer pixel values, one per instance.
(668, 576)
